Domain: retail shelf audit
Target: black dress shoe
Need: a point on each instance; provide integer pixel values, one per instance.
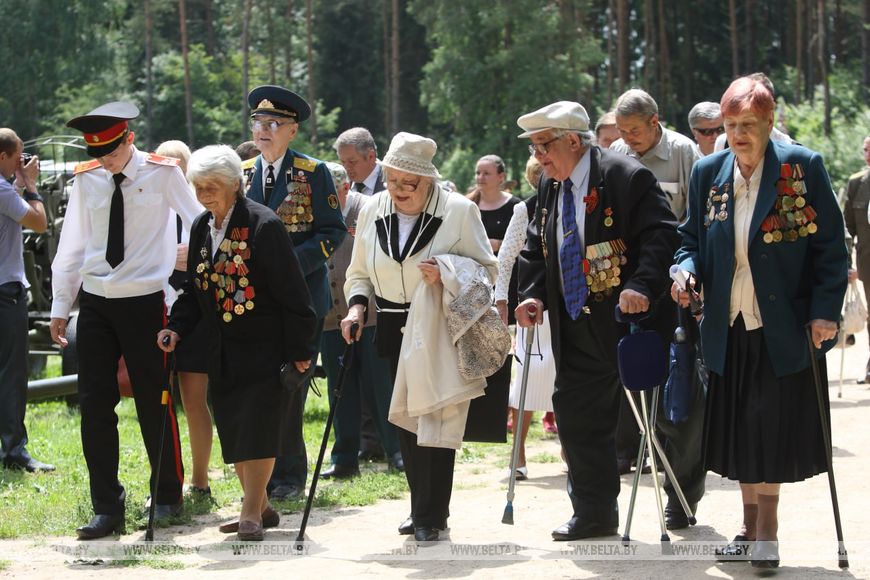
(765, 554)
(737, 550)
(101, 525)
(406, 528)
(339, 471)
(577, 529)
(286, 492)
(623, 466)
(675, 517)
(425, 534)
(371, 455)
(396, 462)
(27, 463)
(164, 511)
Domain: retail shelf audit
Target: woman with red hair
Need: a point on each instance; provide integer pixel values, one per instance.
(764, 240)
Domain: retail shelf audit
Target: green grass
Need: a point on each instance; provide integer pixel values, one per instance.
(156, 563)
(4, 564)
(54, 504)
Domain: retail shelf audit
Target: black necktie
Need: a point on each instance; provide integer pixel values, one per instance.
(115, 243)
(360, 187)
(270, 183)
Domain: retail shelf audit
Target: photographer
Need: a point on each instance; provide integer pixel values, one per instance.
(17, 210)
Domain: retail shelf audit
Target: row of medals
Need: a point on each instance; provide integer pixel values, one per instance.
(795, 217)
(296, 212)
(229, 298)
(605, 260)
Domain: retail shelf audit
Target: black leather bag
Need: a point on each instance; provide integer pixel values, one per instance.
(292, 380)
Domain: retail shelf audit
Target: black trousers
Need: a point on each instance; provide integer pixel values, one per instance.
(108, 328)
(13, 371)
(586, 404)
(292, 468)
(429, 471)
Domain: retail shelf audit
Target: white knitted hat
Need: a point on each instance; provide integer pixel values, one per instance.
(413, 154)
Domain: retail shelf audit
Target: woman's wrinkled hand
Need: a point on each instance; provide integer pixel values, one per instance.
(680, 296)
(355, 315)
(166, 340)
(853, 274)
(529, 312)
(430, 270)
(302, 365)
(822, 330)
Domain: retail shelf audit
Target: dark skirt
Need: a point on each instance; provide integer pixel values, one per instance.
(760, 428)
(253, 420)
(487, 415)
(191, 356)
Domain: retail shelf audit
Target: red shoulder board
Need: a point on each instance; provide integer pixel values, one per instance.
(86, 166)
(161, 160)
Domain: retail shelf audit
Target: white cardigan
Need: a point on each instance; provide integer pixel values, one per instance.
(372, 272)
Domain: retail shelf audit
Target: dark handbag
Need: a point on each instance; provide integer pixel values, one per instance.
(292, 380)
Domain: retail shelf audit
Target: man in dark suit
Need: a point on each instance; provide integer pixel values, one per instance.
(855, 213)
(358, 153)
(614, 246)
(300, 190)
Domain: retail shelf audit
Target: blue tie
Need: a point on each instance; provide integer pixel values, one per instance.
(571, 255)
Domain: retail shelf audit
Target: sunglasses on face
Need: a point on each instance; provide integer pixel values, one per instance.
(711, 131)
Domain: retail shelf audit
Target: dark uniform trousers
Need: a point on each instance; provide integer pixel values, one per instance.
(13, 370)
(108, 328)
(586, 404)
(368, 380)
(429, 471)
(292, 467)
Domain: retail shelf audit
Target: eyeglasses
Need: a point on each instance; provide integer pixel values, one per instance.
(542, 148)
(711, 131)
(261, 125)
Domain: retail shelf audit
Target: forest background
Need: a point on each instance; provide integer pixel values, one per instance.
(460, 71)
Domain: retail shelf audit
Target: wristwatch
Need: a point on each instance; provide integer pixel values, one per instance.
(31, 196)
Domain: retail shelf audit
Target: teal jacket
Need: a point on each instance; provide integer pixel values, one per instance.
(798, 279)
(305, 200)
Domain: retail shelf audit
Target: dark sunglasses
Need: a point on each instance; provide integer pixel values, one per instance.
(710, 132)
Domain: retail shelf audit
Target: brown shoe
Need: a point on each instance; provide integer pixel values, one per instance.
(250, 531)
(271, 519)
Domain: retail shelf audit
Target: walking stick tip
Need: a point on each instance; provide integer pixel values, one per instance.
(508, 516)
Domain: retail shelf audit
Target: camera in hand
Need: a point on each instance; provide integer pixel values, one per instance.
(25, 158)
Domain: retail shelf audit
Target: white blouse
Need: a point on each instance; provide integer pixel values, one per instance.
(511, 246)
(743, 298)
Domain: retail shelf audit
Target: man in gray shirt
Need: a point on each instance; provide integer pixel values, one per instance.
(20, 205)
(666, 153)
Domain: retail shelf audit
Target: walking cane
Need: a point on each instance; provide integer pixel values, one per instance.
(346, 362)
(508, 516)
(842, 555)
(164, 400)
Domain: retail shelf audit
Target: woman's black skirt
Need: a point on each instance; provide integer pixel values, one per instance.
(760, 428)
(191, 356)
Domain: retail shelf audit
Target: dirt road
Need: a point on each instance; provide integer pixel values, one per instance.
(363, 541)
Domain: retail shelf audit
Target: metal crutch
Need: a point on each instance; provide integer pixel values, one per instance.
(508, 516)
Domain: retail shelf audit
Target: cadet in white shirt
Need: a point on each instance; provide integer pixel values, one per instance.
(118, 244)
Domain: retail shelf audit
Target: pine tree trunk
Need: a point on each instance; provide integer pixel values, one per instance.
(210, 39)
(288, 49)
(749, 36)
(270, 30)
(732, 23)
(394, 69)
(246, 65)
(664, 92)
(188, 93)
(623, 34)
(799, 50)
(865, 51)
(611, 49)
(309, 47)
(823, 64)
(388, 91)
(649, 44)
(149, 76)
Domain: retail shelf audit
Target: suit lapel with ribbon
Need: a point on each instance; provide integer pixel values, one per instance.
(592, 229)
(388, 232)
(255, 185)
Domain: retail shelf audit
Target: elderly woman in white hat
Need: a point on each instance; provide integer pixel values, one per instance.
(398, 233)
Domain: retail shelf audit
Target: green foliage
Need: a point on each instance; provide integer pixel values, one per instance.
(850, 124)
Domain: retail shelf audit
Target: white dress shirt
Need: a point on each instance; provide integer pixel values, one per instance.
(743, 299)
(218, 233)
(370, 182)
(150, 191)
(276, 168)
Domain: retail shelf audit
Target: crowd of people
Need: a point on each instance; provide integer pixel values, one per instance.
(247, 266)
